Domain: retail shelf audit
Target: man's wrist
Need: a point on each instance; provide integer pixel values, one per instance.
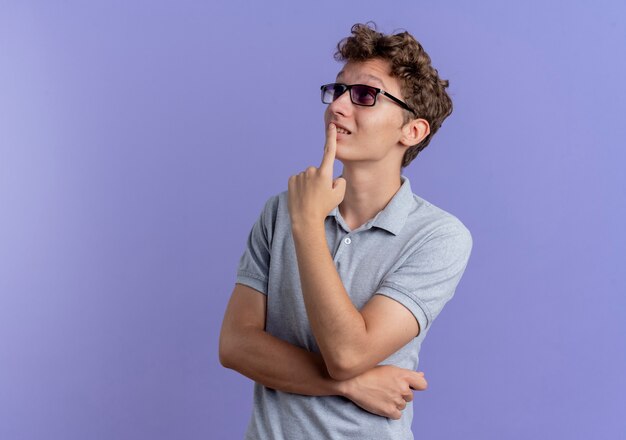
(345, 388)
(306, 227)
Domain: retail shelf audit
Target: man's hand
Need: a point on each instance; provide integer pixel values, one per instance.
(313, 193)
(384, 390)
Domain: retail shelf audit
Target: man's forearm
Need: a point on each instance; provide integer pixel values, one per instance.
(338, 326)
(280, 365)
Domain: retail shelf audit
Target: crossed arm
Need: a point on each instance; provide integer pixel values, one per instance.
(351, 342)
(274, 363)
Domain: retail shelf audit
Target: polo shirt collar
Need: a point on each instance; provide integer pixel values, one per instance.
(393, 217)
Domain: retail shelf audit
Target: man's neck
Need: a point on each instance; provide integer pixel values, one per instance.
(368, 191)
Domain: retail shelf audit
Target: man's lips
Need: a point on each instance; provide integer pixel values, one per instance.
(341, 129)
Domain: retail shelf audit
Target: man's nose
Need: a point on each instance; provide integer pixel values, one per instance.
(342, 104)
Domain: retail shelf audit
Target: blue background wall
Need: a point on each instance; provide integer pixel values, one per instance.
(140, 140)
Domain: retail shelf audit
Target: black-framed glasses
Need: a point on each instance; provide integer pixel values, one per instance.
(360, 94)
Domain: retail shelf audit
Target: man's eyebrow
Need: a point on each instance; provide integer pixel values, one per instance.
(366, 75)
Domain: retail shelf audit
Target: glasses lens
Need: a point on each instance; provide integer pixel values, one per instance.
(330, 92)
(364, 95)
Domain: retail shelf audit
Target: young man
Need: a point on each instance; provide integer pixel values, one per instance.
(341, 279)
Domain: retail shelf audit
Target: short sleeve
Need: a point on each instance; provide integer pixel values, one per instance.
(254, 264)
(428, 278)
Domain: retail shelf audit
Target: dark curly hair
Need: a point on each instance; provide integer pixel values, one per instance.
(422, 89)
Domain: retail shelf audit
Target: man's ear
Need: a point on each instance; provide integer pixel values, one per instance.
(414, 132)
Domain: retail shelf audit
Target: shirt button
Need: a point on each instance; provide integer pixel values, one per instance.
(347, 240)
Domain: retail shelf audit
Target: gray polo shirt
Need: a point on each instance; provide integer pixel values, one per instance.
(411, 251)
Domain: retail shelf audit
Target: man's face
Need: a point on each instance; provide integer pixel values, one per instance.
(374, 131)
